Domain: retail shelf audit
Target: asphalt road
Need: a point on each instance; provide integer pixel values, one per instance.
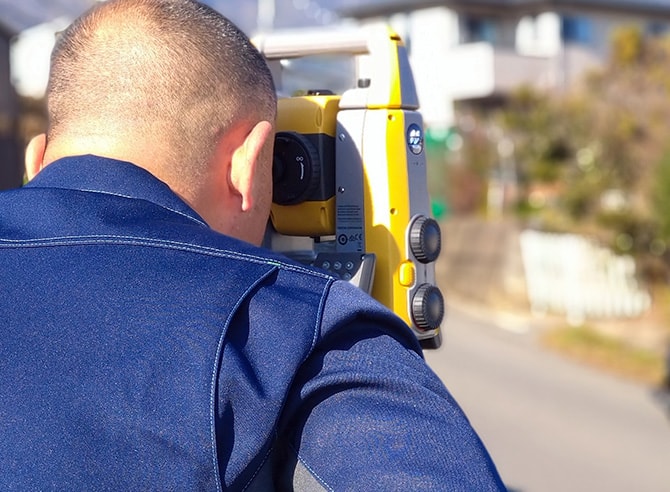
(551, 424)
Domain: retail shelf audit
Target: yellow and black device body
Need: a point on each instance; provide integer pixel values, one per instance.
(350, 180)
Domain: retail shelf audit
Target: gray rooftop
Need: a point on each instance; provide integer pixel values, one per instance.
(371, 8)
(17, 15)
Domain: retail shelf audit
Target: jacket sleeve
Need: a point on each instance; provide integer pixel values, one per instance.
(367, 413)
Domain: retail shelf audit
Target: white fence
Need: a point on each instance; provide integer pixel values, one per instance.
(570, 275)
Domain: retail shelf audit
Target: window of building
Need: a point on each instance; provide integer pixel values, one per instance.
(479, 29)
(658, 28)
(576, 29)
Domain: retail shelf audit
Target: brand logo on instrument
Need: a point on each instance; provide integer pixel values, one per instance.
(415, 139)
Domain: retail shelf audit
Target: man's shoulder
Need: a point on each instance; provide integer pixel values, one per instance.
(211, 243)
(341, 305)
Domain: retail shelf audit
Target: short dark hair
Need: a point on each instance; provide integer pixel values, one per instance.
(176, 69)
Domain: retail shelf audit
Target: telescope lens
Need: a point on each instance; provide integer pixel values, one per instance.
(295, 170)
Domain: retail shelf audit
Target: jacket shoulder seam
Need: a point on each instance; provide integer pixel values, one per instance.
(156, 243)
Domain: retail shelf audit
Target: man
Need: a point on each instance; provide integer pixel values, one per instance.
(148, 344)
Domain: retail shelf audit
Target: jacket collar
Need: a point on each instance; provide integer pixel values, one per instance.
(110, 176)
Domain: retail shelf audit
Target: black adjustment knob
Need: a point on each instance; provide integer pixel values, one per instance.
(427, 307)
(425, 239)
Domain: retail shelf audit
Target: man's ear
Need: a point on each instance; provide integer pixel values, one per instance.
(34, 159)
(245, 162)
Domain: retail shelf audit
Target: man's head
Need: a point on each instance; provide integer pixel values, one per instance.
(174, 87)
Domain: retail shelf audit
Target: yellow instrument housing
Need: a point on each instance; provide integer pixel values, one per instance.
(377, 205)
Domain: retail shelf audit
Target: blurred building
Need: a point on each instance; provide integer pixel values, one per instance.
(10, 173)
(23, 67)
(477, 51)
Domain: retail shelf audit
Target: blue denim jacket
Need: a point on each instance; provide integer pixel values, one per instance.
(143, 351)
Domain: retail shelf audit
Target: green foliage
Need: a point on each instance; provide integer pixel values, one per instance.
(580, 199)
(631, 233)
(609, 138)
(592, 160)
(661, 196)
(627, 46)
